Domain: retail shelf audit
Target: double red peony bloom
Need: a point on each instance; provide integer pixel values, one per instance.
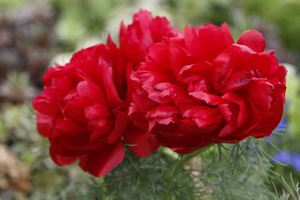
(160, 87)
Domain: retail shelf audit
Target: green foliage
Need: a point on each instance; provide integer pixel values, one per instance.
(290, 192)
(158, 176)
(230, 171)
(233, 171)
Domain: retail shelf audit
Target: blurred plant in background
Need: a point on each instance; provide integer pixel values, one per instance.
(34, 31)
(284, 14)
(80, 18)
(27, 41)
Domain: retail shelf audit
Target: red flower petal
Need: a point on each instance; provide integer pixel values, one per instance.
(259, 92)
(91, 92)
(206, 42)
(69, 127)
(44, 123)
(101, 162)
(183, 143)
(209, 99)
(137, 38)
(112, 95)
(100, 134)
(227, 34)
(204, 116)
(141, 143)
(121, 123)
(62, 160)
(45, 105)
(97, 111)
(252, 39)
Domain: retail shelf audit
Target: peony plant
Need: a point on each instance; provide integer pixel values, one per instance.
(160, 87)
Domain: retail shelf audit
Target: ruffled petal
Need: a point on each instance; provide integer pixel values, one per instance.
(253, 39)
(206, 42)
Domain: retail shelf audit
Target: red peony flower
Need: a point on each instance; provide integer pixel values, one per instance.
(137, 38)
(203, 88)
(81, 110)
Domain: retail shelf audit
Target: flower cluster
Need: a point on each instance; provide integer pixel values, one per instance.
(163, 87)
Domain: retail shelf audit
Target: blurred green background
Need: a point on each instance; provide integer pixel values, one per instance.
(36, 33)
